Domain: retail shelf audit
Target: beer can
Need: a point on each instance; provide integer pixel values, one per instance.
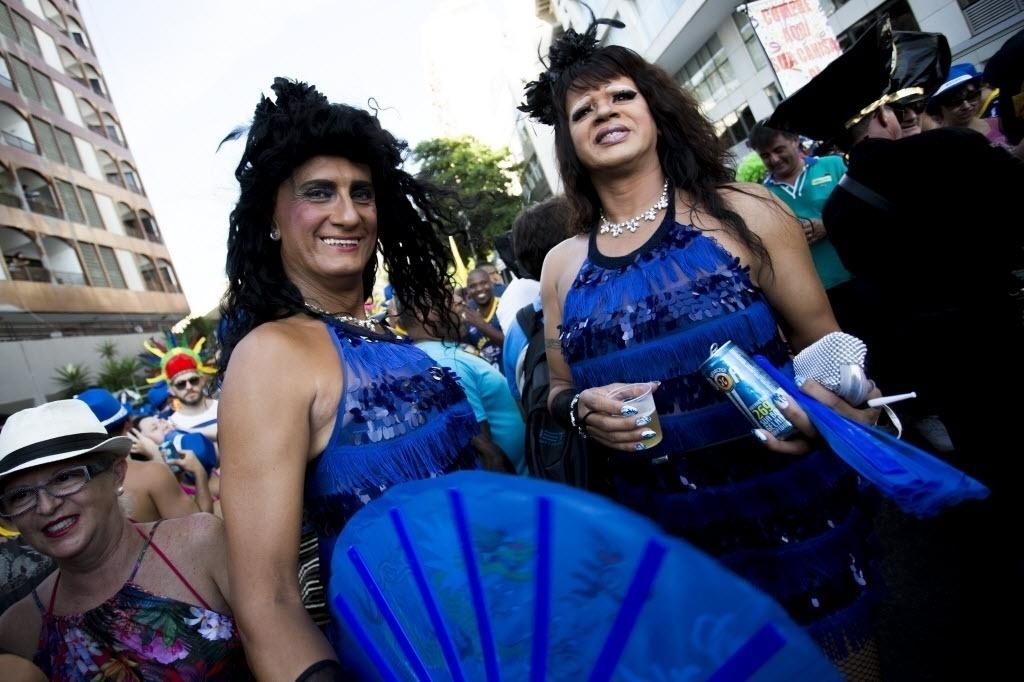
(733, 373)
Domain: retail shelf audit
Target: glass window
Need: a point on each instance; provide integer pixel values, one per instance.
(68, 149)
(78, 33)
(47, 95)
(113, 269)
(23, 79)
(774, 95)
(26, 34)
(14, 129)
(8, 190)
(6, 24)
(54, 15)
(5, 74)
(149, 226)
(38, 193)
(131, 178)
(93, 265)
(708, 74)
(148, 271)
(47, 141)
(168, 274)
(92, 211)
(750, 40)
(72, 208)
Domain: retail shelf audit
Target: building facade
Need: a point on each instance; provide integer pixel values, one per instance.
(83, 257)
(710, 46)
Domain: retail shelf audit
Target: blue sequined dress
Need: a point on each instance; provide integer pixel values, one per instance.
(401, 418)
(793, 526)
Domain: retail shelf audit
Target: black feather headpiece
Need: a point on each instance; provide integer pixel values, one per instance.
(571, 49)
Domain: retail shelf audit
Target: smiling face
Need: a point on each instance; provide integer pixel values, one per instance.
(327, 216)
(480, 288)
(611, 126)
(64, 527)
(782, 158)
(960, 105)
(155, 428)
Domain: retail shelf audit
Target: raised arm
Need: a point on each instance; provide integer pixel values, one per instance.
(264, 420)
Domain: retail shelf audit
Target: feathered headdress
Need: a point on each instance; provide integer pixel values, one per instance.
(173, 358)
(569, 50)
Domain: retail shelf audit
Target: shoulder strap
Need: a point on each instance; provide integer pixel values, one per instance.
(865, 193)
(145, 545)
(527, 317)
(166, 560)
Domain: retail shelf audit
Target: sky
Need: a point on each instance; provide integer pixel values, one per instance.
(183, 74)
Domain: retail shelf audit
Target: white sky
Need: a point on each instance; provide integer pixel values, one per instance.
(183, 73)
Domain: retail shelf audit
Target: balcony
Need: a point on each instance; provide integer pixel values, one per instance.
(8, 199)
(19, 142)
(27, 273)
(69, 278)
(38, 204)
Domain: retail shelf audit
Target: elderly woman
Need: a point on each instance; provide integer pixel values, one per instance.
(127, 600)
(671, 257)
(321, 405)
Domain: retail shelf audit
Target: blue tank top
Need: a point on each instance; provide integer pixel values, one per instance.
(401, 418)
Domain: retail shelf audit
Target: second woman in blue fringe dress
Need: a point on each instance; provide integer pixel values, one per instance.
(320, 405)
(670, 258)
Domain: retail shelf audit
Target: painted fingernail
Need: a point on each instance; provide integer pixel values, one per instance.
(648, 434)
(780, 400)
(639, 446)
(628, 411)
(758, 434)
(645, 420)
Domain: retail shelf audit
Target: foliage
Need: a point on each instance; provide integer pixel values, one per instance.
(119, 373)
(481, 177)
(73, 379)
(107, 349)
(751, 169)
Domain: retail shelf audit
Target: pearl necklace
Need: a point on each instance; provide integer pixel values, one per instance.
(368, 324)
(634, 223)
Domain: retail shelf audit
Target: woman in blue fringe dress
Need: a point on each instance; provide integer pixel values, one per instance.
(671, 257)
(322, 408)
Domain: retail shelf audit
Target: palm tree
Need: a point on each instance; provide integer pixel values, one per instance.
(118, 373)
(107, 349)
(73, 379)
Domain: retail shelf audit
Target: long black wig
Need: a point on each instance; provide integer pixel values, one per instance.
(285, 133)
(692, 157)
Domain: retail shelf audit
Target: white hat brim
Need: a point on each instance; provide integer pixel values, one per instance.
(956, 82)
(118, 445)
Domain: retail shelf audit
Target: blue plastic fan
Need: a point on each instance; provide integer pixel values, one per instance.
(478, 576)
(919, 483)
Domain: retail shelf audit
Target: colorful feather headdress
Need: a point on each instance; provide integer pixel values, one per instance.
(174, 358)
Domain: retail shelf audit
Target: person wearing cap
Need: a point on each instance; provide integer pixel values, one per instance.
(1005, 72)
(127, 600)
(151, 491)
(957, 102)
(927, 226)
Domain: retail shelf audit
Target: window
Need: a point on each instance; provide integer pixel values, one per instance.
(8, 190)
(131, 177)
(95, 81)
(708, 74)
(92, 264)
(735, 126)
(109, 168)
(38, 193)
(91, 116)
(53, 15)
(5, 74)
(129, 220)
(65, 266)
(170, 279)
(47, 95)
(78, 33)
(149, 274)
(113, 269)
(68, 149)
(72, 66)
(47, 140)
(14, 129)
(773, 94)
(92, 211)
(149, 226)
(750, 39)
(26, 34)
(23, 79)
(113, 129)
(22, 255)
(7, 24)
(72, 208)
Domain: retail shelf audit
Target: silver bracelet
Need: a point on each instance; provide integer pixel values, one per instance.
(573, 406)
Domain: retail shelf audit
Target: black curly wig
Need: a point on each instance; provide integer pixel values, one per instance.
(300, 125)
(692, 156)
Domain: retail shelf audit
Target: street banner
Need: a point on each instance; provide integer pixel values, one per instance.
(797, 38)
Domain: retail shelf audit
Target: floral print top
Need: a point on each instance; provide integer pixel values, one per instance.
(138, 635)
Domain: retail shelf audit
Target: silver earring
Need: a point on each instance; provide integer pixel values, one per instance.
(120, 490)
(275, 234)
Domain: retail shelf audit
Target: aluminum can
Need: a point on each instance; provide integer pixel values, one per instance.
(732, 372)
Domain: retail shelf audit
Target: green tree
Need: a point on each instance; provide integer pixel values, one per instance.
(73, 379)
(481, 177)
(107, 349)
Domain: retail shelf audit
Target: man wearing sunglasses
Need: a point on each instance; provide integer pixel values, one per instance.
(195, 410)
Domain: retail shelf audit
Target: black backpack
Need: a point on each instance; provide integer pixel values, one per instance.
(552, 451)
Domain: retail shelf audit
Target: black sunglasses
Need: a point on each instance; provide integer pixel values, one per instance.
(959, 98)
(902, 109)
(182, 383)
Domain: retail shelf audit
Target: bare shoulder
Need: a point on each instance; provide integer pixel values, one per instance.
(765, 215)
(276, 339)
(19, 625)
(564, 259)
(195, 529)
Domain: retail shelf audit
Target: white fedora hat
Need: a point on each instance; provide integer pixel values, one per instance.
(49, 433)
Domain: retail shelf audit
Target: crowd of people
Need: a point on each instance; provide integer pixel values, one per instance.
(212, 517)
